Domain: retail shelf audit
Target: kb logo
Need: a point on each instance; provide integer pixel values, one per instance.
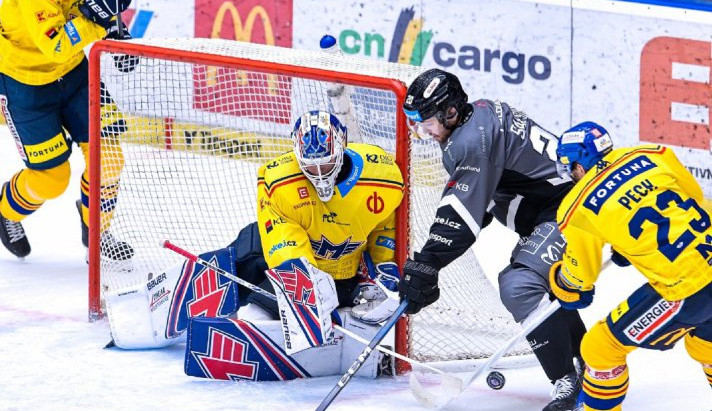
(375, 203)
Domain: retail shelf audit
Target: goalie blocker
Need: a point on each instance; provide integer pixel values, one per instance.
(157, 313)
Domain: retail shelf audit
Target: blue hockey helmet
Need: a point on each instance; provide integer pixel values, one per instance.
(585, 143)
(319, 141)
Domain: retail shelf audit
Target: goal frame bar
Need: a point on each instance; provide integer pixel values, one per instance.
(101, 47)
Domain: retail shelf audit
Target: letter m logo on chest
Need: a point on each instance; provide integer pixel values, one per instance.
(325, 249)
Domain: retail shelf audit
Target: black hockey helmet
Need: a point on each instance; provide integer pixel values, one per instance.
(432, 93)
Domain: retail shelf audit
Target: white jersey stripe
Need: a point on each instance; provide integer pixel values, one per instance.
(461, 210)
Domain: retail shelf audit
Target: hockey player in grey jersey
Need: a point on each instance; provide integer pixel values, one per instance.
(502, 165)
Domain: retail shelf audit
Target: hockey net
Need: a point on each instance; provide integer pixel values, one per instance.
(198, 117)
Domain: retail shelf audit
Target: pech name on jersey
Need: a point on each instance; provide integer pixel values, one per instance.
(652, 320)
(618, 177)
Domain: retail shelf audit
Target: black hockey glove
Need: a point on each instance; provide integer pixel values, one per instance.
(618, 259)
(419, 285)
(123, 62)
(102, 12)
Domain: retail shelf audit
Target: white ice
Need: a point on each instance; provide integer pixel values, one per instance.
(52, 358)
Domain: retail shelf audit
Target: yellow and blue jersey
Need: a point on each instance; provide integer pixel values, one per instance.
(332, 235)
(644, 203)
(42, 40)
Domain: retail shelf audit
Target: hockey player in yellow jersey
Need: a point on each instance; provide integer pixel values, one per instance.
(646, 205)
(329, 211)
(44, 99)
(323, 243)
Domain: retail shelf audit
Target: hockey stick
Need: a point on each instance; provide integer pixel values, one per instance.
(194, 258)
(449, 389)
(362, 358)
(451, 386)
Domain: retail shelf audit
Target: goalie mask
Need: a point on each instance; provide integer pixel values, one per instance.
(319, 143)
(585, 143)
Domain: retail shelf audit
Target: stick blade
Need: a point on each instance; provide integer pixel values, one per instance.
(438, 396)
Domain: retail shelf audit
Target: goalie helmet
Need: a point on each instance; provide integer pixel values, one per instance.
(585, 143)
(433, 93)
(319, 141)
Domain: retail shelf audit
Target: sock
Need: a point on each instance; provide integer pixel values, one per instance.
(551, 343)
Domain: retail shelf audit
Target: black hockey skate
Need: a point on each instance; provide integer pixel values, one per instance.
(13, 235)
(111, 248)
(565, 392)
(13, 238)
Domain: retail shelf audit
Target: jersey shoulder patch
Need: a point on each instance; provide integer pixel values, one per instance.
(281, 171)
(378, 166)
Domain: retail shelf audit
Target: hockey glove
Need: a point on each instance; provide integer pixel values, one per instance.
(569, 297)
(102, 12)
(419, 285)
(618, 259)
(123, 62)
(378, 298)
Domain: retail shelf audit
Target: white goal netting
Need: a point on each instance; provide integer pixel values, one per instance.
(197, 123)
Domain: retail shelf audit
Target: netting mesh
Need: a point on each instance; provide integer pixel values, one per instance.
(181, 144)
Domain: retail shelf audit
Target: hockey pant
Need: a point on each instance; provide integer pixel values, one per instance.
(524, 286)
(39, 118)
(644, 320)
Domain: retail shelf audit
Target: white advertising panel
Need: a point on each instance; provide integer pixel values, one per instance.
(642, 71)
(509, 50)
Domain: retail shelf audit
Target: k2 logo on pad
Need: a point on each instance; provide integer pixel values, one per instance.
(226, 359)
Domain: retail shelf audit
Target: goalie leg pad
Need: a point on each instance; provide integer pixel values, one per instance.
(202, 292)
(254, 351)
(227, 349)
(154, 314)
(137, 315)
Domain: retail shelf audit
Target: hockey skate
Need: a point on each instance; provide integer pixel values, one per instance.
(13, 235)
(565, 392)
(111, 248)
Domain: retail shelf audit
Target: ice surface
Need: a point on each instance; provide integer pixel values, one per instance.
(51, 358)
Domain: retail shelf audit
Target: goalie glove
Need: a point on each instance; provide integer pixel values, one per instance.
(570, 297)
(378, 298)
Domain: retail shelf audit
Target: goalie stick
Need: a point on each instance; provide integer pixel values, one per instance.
(362, 358)
(194, 258)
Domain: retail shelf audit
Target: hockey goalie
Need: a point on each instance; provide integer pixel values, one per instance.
(323, 245)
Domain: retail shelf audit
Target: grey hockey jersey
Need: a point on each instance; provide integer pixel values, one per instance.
(502, 165)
